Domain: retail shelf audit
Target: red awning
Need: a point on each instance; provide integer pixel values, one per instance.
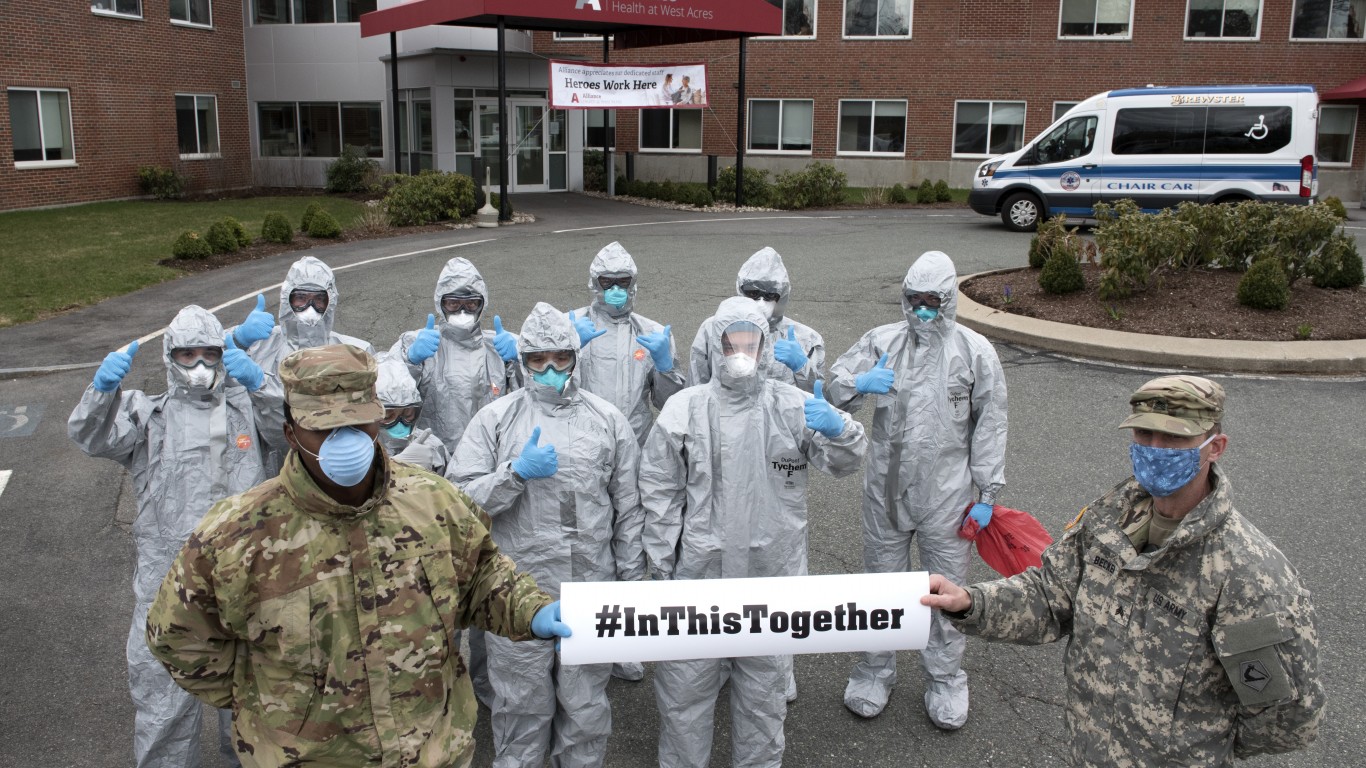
(1356, 89)
(630, 21)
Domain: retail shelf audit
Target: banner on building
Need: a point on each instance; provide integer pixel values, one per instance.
(617, 621)
(579, 85)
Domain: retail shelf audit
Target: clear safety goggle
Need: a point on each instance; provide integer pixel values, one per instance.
(758, 295)
(299, 300)
(450, 304)
(924, 298)
(606, 282)
(404, 413)
(559, 359)
(189, 357)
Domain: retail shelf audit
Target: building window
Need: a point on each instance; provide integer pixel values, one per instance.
(415, 140)
(872, 127)
(593, 133)
(577, 36)
(1224, 19)
(319, 129)
(40, 124)
(985, 128)
(1060, 108)
(310, 11)
(671, 129)
(877, 18)
(799, 18)
(196, 124)
(780, 125)
(1096, 18)
(131, 8)
(196, 12)
(1328, 20)
(1337, 133)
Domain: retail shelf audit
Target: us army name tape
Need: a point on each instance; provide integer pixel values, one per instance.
(721, 618)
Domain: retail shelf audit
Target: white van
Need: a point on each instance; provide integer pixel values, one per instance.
(1159, 146)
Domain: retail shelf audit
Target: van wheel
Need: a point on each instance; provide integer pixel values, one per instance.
(1021, 212)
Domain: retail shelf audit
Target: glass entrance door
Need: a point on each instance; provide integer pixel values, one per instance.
(528, 161)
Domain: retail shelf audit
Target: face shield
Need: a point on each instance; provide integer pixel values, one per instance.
(740, 344)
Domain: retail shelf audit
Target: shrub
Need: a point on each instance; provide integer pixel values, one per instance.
(1339, 264)
(227, 235)
(665, 191)
(190, 246)
(897, 194)
(161, 183)
(1054, 238)
(621, 186)
(925, 192)
(352, 172)
(1210, 240)
(1248, 233)
(312, 210)
(388, 181)
(1061, 274)
(323, 224)
(594, 180)
(758, 191)
(372, 220)
(1135, 247)
(276, 228)
(1265, 285)
(875, 195)
(431, 196)
(698, 196)
(817, 185)
(941, 192)
(1335, 205)
(1300, 234)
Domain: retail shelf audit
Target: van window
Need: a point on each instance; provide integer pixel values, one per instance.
(1159, 131)
(1069, 141)
(1247, 130)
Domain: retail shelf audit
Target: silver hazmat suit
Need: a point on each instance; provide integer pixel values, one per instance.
(580, 524)
(185, 449)
(396, 388)
(939, 432)
(766, 272)
(723, 479)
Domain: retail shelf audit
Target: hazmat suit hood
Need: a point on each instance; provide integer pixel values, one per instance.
(764, 271)
(395, 388)
(615, 261)
(547, 329)
(193, 326)
(736, 309)
(308, 274)
(933, 271)
(460, 277)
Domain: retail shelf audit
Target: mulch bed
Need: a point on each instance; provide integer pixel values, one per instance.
(1195, 304)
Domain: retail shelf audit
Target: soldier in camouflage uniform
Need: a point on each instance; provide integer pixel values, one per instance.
(324, 614)
(1190, 638)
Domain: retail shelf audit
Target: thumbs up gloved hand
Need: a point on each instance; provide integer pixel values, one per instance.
(257, 326)
(242, 367)
(424, 346)
(546, 624)
(115, 366)
(789, 352)
(821, 416)
(657, 344)
(878, 380)
(504, 342)
(587, 331)
(536, 460)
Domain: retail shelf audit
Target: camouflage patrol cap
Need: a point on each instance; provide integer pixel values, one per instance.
(1186, 406)
(332, 386)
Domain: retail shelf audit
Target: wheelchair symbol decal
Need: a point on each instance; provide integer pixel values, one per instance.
(1258, 131)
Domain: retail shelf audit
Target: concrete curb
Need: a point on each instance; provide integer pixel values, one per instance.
(1321, 357)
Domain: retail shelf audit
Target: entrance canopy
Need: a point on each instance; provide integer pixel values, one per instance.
(632, 23)
(1355, 89)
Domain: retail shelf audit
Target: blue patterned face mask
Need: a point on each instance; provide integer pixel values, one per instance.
(1164, 471)
(616, 296)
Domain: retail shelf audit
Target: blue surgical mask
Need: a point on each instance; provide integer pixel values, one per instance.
(616, 296)
(346, 456)
(399, 430)
(551, 378)
(925, 313)
(1164, 471)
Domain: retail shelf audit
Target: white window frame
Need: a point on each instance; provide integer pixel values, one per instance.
(815, 11)
(202, 155)
(115, 14)
(640, 133)
(1293, 6)
(782, 108)
(991, 110)
(1127, 36)
(1256, 35)
(910, 27)
(905, 120)
(21, 164)
(574, 37)
(194, 24)
(1351, 143)
(1058, 115)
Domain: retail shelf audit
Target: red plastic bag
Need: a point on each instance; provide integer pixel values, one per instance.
(1011, 542)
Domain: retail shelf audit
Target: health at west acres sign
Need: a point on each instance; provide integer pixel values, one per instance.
(578, 85)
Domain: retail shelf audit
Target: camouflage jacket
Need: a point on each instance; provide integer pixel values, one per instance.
(1192, 654)
(329, 629)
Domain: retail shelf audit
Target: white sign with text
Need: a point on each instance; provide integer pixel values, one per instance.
(579, 85)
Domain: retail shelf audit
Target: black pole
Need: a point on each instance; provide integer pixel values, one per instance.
(608, 180)
(740, 134)
(393, 95)
(504, 206)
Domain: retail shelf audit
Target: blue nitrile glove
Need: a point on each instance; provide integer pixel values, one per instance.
(536, 460)
(257, 326)
(821, 416)
(504, 342)
(546, 624)
(789, 352)
(657, 344)
(242, 367)
(587, 331)
(424, 346)
(114, 368)
(877, 380)
(981, 514)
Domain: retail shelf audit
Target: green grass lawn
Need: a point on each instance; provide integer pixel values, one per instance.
(61, 258)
